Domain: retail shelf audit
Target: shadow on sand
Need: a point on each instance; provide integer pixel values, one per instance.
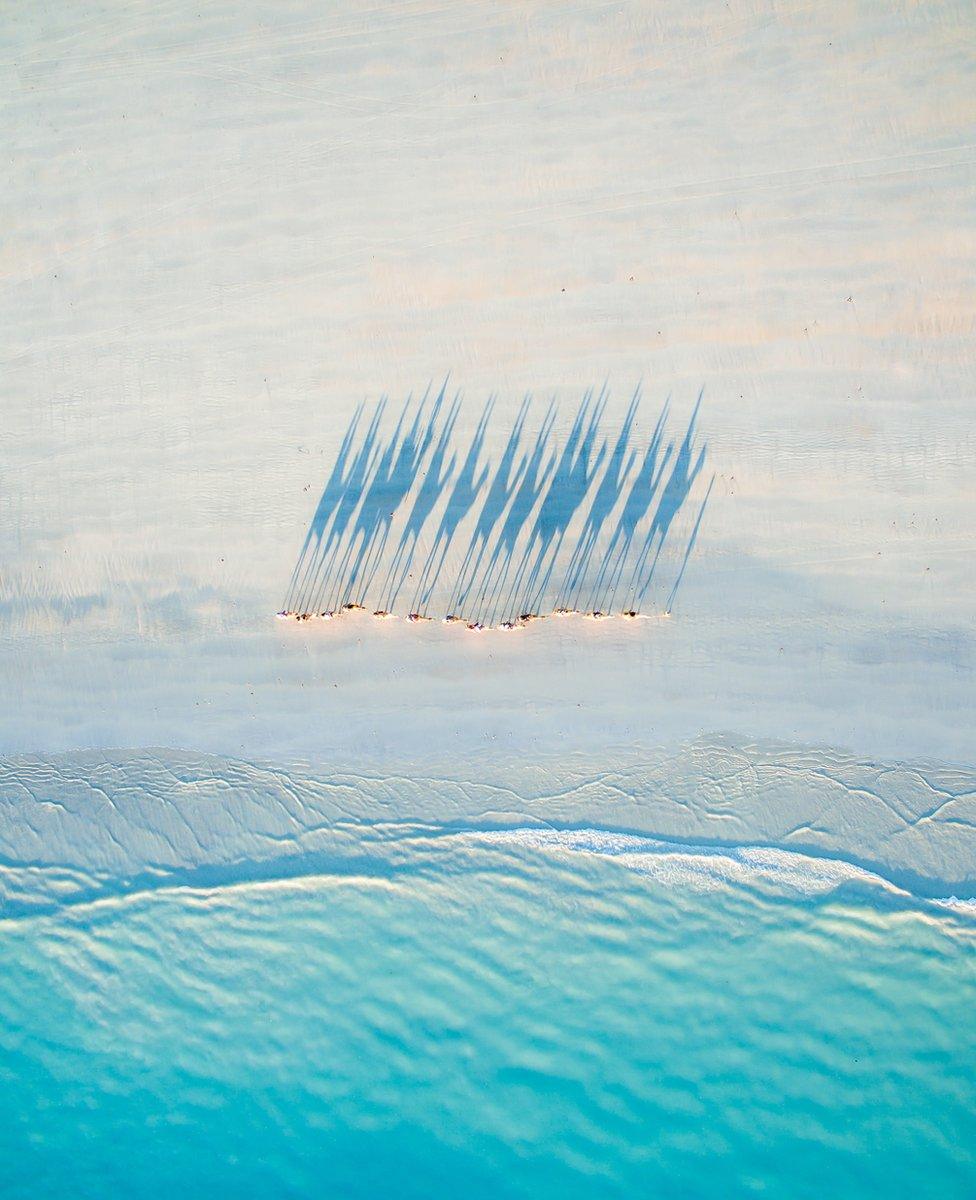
(565, 527)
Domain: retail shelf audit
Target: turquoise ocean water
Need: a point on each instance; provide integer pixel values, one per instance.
(490, 1018)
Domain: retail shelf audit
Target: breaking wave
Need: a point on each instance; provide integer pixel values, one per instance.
(81, 828)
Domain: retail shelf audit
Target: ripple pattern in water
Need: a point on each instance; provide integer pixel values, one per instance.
(503, 1019)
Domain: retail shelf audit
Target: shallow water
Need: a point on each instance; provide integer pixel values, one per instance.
(491, 1017)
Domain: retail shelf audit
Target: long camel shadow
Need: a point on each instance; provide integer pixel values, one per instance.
(434, 479)
(534, 478)
(673, 497)
(636, 507)
(567, 490)
(522, 513)
(332, 493)
(391, 485)
(605, 498)
(689, 548)
(463, 497)
(359, 472)
(502, 488)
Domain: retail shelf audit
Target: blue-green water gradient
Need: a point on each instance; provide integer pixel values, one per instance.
(499, 1020)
